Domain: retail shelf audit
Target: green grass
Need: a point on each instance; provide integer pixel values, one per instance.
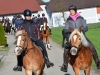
(1, 63)
(5, 49)
(93, 34)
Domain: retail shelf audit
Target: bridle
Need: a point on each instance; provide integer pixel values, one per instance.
(22, 47)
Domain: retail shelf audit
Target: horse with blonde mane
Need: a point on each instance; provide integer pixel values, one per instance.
(46, 34)
(32, 58)
(80, 54)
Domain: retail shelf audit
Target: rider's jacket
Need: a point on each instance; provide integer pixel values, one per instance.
(43, 19)
(18, 22)
(39, 21)
(31, 29)
(80, 22)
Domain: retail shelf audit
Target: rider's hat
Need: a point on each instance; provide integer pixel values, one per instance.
(43, 14)
(18, 16)
(27, 12)
(72, 7)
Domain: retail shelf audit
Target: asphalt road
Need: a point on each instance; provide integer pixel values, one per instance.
(55, 55)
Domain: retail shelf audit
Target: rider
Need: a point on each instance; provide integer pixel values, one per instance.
(18, 21)
(76, 21)
(28, 25)
(42, 19)
(39, 20)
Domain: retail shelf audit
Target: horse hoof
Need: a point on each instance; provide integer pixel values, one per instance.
(49, 49)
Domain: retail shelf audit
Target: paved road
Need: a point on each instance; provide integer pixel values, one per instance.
(55, 56)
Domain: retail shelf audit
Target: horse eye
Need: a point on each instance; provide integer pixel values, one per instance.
(24, 40)
(79, 38)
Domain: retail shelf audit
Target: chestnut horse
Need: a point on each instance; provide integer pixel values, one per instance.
(46, 34)
(80, 54)
(33, 61)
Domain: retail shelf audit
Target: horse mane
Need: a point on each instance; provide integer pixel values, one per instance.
(83, 39)
(19, 33)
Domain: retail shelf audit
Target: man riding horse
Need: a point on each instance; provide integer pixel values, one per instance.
(75, 21)
(41, 22)
(29, 27)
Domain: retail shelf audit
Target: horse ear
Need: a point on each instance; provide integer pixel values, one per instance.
(24, 31)
(80, 29)
(71, 29)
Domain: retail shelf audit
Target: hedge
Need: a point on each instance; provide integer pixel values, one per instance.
(2, 36)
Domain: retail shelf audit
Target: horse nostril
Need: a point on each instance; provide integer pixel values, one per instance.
(74, 51)
(17, 50)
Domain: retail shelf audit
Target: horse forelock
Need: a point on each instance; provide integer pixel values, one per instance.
(19, 33)
(83, 39)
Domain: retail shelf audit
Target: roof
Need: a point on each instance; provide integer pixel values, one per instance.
(58, 5)
(40, 2)
(18, 6)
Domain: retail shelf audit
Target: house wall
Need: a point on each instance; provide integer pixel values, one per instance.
(45, 11)
(98, 13)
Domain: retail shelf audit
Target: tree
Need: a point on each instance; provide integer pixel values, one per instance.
(2, 35)
(61, 8)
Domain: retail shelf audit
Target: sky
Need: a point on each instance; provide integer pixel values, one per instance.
(46, 0)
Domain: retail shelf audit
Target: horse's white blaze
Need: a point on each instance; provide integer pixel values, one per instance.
(19, 39)
(41, 27)
(75, 38)
(44, 26)
(16, 49)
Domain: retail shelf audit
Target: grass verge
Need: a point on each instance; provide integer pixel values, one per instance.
(5, 49)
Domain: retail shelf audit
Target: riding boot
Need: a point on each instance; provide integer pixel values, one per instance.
(18, 67)
(94, 53)
(45, 55)
(64, 67)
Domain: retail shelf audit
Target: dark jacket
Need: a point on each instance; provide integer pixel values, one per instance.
(42, 19)
(31, 29)
(80, 22)
(18, 22)
(39, 21)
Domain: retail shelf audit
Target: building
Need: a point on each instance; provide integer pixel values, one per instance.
(58, 10)
(8, 8)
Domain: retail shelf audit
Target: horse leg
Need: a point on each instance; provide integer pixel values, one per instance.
(48, 43)
(43, 40)
(39, 72)
(87, 71)
(76, 70)
(28, 72)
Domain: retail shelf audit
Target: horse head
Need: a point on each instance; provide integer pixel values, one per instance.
(44, 24)
(21, 38)
(77, 40)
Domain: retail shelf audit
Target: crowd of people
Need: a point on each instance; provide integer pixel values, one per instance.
(13, 24)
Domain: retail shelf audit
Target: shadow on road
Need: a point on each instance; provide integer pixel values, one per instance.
(67, 74)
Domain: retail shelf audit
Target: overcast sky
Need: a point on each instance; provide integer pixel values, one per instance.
(46, 0)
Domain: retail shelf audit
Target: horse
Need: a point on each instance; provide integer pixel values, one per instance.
(80, 55)
(46, 34)
(32, 57)
(64, 38)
